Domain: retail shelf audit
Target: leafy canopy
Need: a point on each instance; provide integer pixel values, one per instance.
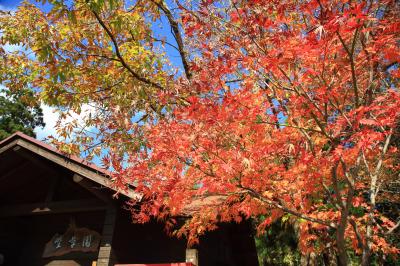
(19, 112)
(280, 108)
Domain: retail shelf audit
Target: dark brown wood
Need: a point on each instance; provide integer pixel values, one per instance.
(8, 146)
(71, 165)
(32, 158)
(12, 171)
(25, 144)
(100, 192)
(52, 188)
(52, 207)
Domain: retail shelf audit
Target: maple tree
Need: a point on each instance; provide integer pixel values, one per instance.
(282, 109)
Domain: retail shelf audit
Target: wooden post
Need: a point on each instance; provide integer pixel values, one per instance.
(192, 256)
(105, 257)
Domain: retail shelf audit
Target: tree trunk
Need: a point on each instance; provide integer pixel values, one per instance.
(342, 256)
(366, 254)
(365, 261)
(341, 244)
(329, 257)
(308, 259)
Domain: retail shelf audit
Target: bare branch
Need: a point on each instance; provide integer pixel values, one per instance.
(384, 150)
(350, 53)
(357, 232)
(177, 35)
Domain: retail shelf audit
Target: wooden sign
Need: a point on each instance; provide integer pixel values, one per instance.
(74, 239)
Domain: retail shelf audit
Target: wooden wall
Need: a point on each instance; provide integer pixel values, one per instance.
(230, 245)
(22, 239)
(144, 243)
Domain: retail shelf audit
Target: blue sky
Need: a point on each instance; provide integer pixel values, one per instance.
(13, 4)
(9, 3)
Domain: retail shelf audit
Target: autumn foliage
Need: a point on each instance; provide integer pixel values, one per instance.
(281, 109)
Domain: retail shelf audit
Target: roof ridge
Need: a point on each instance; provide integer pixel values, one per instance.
(51, 148)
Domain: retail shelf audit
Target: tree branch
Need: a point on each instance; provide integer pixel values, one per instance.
(391, 230)
(357, 232)
(177, 35)
(256, 195)
(121, 59)
(350, 53)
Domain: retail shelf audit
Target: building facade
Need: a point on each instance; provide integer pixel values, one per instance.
(59, 210)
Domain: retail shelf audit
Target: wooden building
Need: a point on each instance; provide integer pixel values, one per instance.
(59, 210)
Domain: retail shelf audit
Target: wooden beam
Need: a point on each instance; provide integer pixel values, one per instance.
(52, 189)
(29, 156)
(69, 206)
(54, 179)
(82, 181)
(192, 256)
(97, 191)
(8, 146)
(106, 256)
(74, 167)
(13, 170)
